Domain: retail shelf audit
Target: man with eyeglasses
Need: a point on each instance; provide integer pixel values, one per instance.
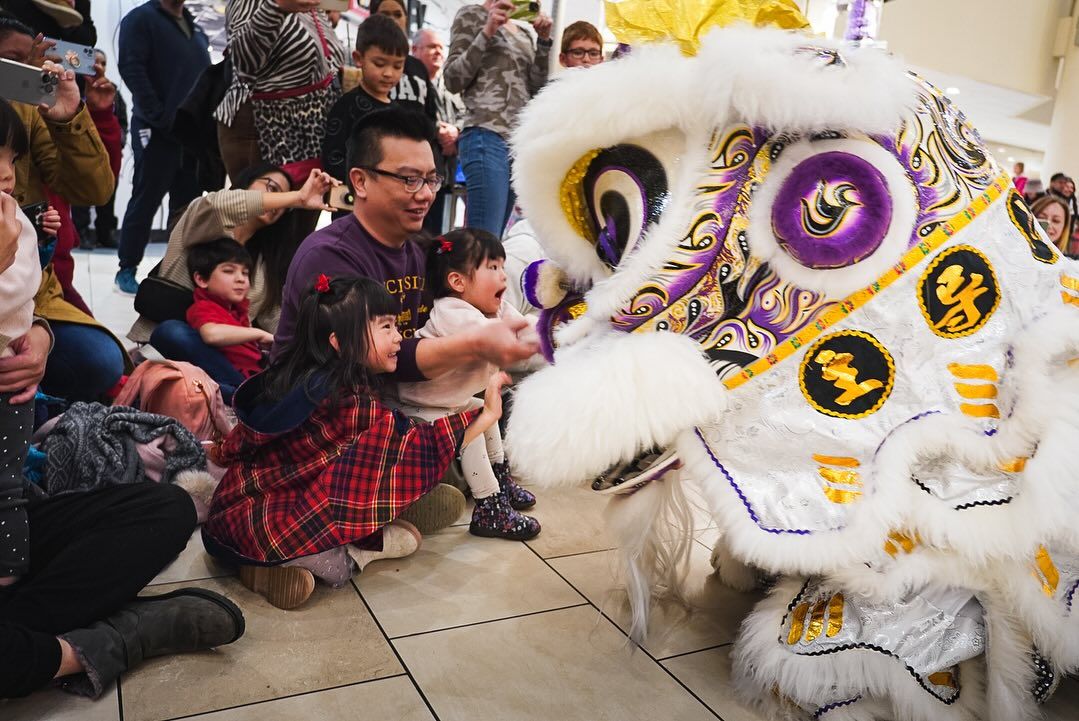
(394, 179)
(582, 46)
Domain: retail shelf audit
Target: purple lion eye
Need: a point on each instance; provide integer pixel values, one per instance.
(832, 211)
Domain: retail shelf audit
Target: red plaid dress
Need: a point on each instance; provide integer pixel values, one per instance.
(338, 477)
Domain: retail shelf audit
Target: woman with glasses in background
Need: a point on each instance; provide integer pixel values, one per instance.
(256, 215)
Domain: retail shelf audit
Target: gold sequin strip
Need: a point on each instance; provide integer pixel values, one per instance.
(828, 610)
(1045, 572)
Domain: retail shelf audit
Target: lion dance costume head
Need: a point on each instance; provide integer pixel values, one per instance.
(795, 273)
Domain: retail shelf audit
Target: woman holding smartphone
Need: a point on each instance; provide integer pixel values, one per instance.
(496, 64)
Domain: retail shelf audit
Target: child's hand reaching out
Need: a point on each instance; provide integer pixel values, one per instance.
(492, 408)
(492, 397)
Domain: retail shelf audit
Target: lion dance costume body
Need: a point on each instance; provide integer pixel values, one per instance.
(798, 270)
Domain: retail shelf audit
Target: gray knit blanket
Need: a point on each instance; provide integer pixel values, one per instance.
(93, 446)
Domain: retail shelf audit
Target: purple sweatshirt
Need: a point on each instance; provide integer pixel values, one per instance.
(345, 248)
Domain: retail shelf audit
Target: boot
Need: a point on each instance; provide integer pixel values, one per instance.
(435, 510)
(520, 499)
(494, 517)
(190, 619)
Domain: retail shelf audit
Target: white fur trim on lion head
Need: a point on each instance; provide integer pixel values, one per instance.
(605, 400)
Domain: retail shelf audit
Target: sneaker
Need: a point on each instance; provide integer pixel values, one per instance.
(126, 283)
(285, 587)
(437, 509)
(400, 539)
(520, 499)
(494, 517)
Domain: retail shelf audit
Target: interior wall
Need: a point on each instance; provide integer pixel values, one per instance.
(1002, 42)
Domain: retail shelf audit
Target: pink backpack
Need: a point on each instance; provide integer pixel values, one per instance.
(181, 391)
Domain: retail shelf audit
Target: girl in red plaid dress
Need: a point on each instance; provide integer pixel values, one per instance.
(318, 468)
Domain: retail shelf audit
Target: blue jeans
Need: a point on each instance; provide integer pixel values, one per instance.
(485, 159)
(85, 362)
(176, 340)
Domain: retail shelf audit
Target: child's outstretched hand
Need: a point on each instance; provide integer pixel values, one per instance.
(492, 397)
(50, 221)
(266, 339)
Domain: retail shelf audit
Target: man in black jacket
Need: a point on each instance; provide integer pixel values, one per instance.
(162, 54)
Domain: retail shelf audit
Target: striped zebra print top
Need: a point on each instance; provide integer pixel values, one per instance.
(273, 51)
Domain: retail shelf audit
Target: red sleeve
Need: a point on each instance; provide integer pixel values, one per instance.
(108, 127)
(407, 457)
(202, 312)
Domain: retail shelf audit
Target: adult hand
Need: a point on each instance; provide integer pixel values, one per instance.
(68, 99)
(447, 138)
(543, 25)
(497, 342)
(10, 228)
(298, 6)
(21, 373)
(100, 92)
(312, 195)
(41, 50)
(498, 14)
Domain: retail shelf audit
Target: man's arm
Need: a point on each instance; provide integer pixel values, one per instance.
(136, 47)
(495, 342)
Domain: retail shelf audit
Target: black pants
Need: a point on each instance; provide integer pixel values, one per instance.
(90, 553)
(104, 222)
(162, 166)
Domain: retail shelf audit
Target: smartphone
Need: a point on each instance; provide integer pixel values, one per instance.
(77, 58)
(27, 84)
(341, 198)
(340, 6)
(36, 213)
(525, 10)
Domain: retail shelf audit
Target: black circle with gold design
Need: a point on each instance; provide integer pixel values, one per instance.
(958, 292)
(1024, 220)
(848, 374)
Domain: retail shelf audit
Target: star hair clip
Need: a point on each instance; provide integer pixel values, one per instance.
(322, 285)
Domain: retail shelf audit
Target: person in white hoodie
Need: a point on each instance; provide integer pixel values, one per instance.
(18, 284)
(466, 277)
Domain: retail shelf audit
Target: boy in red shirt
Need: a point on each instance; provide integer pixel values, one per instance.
(220, 270)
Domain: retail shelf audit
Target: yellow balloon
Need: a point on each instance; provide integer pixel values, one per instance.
(686, 21)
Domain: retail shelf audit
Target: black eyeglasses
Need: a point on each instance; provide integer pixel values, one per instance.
(412, 183)
(579, 53)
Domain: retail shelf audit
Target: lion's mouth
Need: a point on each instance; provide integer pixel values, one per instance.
(630, 477)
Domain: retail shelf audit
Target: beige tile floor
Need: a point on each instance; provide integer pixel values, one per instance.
(467, 629)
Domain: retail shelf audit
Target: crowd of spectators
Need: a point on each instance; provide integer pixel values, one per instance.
(334, 347)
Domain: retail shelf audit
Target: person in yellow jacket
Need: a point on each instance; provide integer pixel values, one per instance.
(67, 155)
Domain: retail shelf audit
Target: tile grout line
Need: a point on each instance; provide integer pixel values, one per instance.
(490, 620)
(639, 646)
(572, 555)
(396, 653)
(699, 650)
(282, 698)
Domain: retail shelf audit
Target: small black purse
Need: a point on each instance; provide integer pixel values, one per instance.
(160, 299)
